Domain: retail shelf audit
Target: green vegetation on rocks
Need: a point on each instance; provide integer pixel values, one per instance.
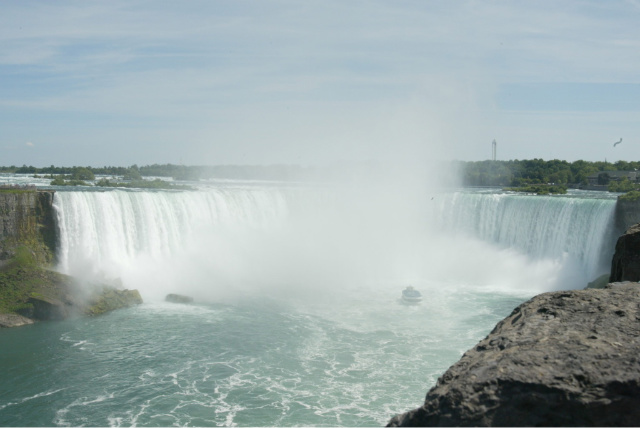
(623, 185)
(539, 189)
(21, 279)
(37, 293)
(630, 196)
(109, 299)
(61, 181)
(78, 177)
(15, 190)
(144, 184)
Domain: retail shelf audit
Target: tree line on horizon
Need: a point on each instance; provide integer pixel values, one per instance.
(512, 173)
(518, 173)
(177, 172)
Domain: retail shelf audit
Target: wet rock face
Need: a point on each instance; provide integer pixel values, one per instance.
(625, 265)
(562, 358)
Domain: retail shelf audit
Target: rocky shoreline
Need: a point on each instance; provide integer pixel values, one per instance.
(566, 358)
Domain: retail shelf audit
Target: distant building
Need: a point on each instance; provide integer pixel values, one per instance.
(602, 178)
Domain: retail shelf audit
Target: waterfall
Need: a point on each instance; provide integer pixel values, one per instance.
(121, 233)
(577, 228)
(224, 238)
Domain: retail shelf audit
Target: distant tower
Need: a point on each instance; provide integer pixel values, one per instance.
(493, 150)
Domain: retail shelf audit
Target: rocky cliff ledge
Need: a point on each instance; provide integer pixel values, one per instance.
(569, 358)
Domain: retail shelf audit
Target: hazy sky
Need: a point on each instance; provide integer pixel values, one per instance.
(317, 82)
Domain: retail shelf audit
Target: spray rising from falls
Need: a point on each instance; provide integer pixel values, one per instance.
(223, 239)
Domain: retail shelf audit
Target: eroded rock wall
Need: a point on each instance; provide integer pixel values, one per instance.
(26, 219)
(627, 214)
(625, 265)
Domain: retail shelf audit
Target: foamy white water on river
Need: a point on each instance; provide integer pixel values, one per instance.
(297, 319)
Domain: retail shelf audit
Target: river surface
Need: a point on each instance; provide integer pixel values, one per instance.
(353, 361)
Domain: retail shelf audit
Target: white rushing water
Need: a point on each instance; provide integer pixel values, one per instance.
(271, 236)
(574, 230)
(145, 236)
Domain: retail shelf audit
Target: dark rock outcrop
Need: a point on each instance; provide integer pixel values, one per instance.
(71, 299)
(178, 298)
(30, 293)
(569, 358)
(599, 282)
(108, 299)
(47, 309)
(625, 265)
(14, 320)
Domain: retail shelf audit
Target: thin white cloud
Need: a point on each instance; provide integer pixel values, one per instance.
(347, 70)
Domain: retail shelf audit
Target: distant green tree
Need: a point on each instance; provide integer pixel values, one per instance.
(83, 174)
(581, 170)
(132, 174)
(26, 169)
(630, 196)
(623, 185)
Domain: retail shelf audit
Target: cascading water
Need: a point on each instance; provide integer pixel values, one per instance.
(576, 230)
(237, 236)
(133, 235)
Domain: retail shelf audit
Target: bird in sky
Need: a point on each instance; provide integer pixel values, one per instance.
(617, 142)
